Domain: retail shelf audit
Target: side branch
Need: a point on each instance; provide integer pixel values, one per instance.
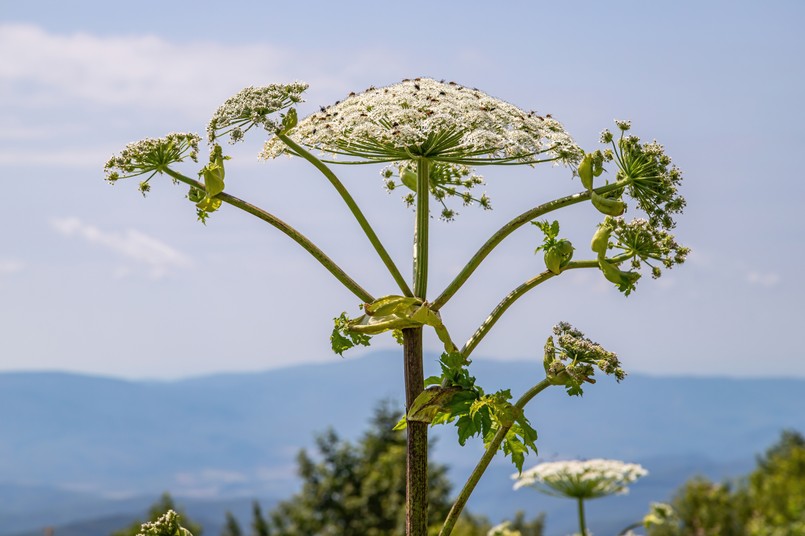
(509, 228)
(353, 207)
(512, 297)
(295, 235)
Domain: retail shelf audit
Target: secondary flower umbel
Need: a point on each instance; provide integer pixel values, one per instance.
(571, 360)
(440, 121)
(151, 156)
(579, 479)
(253, 106)
(653, 179)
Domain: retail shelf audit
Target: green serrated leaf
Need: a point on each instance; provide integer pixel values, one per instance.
(466, 428)
(515, 449)
(574, 389)
(433, 380)
(342, 340)
(453, 360)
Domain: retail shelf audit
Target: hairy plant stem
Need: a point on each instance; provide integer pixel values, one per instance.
(508, 229)
(416, 482)
(510, 298)
(416, 511)
(489, 453)
(353, 207)
(421, 232)
(295, 235)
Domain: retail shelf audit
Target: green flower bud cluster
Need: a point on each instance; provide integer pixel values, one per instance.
(558, 251)
(640, 243)
(600, 244)
(591, 165)
(446, 180)
(571, 358)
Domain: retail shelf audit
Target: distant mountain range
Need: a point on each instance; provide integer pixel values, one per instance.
(92, 452)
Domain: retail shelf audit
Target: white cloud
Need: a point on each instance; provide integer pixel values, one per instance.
(767, 279)
(89, 158)
(158, 257)
(10, 266)
(41, 68)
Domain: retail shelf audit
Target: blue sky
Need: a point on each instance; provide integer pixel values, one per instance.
(94, 278)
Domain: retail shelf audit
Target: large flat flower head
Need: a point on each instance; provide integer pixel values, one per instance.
(443, 122)
(581, 479)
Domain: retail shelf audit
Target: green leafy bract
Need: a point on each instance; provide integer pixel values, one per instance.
(342, 339)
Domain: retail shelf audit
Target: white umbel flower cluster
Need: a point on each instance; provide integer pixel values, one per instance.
(167, 525)
(503, 529)
(253, 106)
(440, 121)
(581, 479)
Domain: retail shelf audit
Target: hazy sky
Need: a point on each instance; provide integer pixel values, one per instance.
(94, 278)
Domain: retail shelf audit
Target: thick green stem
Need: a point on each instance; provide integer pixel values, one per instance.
(508, 229)
(582, 523)
(510, 298)
(356, 212)
(416, 519)
(421, 232)
(416, 481)
(295, 235)
(491, 449)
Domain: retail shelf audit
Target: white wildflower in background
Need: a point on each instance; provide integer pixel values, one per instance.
(444, 122)
(660, 514)
(167, 525)
(503, 530)
(578, 479)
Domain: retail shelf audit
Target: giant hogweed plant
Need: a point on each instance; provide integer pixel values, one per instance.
(430, 138)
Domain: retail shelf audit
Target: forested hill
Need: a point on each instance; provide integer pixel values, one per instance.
(236, 435)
